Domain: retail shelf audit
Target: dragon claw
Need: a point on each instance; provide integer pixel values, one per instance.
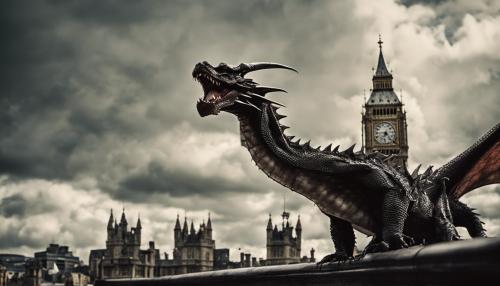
(332, 258)
(399, 241)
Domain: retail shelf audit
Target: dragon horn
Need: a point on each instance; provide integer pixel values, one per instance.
(250, 67)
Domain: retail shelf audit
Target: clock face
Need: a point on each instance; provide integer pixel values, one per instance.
(385, 133)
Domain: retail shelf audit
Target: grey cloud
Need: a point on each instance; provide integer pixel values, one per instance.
(157, 179)
(88, 89)
(13, 205)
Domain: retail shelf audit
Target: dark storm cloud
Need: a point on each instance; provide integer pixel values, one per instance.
(20, 206)
(79, 81)
(98, 102)
(13, 205)
(12, 237)
(157, 179)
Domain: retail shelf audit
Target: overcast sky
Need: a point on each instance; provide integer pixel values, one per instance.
(98, 108)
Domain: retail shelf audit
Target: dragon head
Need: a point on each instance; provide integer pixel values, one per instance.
(225, 87)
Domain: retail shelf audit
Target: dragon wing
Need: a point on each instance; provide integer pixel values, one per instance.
(477, 166)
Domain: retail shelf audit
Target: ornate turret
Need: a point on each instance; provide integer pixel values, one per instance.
(298, 232)
(269, 224)
(138, 230)
(298, 226)
(185, 227)
(138, 226)
(177, 231)
(192, 231)
(123, 220)
(110, 221)
(177, 224)
(209, 227)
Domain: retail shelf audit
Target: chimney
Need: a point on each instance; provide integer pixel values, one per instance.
(242, 259)
(248, 263)
(254, 261)
(166, 255)
(151, 245)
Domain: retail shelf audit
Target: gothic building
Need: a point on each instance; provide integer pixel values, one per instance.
(282, 246)
(384, 120)
(57, 257)
(123, 257)
(193, 250)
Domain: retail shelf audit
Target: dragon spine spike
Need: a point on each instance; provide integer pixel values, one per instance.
(428, 171)
(307, 144)
(284, 127)
(415, 172)
(290, 138)
(279, 116)
(336, 149)
(328, 148)
(350, 150)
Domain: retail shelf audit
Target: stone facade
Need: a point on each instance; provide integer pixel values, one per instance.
(123, 257)
(3, 275)
(60, 256)
(384, 120)
(193, 250)
(282, 246)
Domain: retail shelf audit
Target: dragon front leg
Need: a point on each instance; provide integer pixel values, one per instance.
(343, 239)
(394, 213)
(445, 229)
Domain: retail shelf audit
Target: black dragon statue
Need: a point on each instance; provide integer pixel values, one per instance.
(355, 190)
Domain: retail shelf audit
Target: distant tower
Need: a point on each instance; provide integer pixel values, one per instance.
(384, 120)
(122, 257)
(194, 249)
(281, 245)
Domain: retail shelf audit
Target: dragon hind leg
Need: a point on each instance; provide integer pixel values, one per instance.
(343, 238)
(465, 216)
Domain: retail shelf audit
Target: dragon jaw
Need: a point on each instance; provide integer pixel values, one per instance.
(225, 87)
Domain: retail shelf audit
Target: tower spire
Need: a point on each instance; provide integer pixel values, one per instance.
(185, 226)
(381, 70)
(209, 222)
(123, 220)
(269, 223)
(192, 231)
(298, 226)
(111, 219)
(139, 226)
(177, 223)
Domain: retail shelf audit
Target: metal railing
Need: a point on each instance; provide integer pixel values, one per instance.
(467, 262)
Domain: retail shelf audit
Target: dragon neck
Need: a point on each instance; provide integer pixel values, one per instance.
(263, 156)
(265, 126)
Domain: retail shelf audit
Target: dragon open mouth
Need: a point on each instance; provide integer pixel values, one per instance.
(215, 95)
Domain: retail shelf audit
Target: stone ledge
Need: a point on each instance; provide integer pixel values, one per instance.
(453, 263)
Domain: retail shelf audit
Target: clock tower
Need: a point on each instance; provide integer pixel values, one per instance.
(384, 120)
